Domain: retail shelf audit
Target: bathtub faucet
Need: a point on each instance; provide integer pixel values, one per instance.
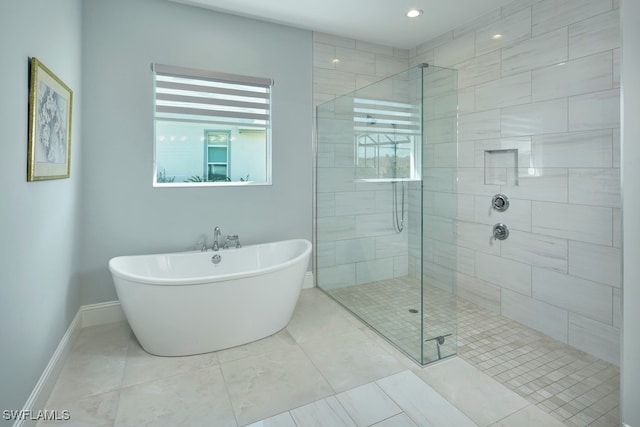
(216, 237)
(236, 239)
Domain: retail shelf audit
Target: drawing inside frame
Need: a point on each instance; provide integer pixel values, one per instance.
(50, 110)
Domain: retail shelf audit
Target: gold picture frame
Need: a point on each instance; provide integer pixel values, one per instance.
(50, 112)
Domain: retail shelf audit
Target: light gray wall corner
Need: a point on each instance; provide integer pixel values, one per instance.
(39, 290)
(630, 375)
(123, 213)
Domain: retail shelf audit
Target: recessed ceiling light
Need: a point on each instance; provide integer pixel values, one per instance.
(335, 60)
(496, 37)
(414, 13)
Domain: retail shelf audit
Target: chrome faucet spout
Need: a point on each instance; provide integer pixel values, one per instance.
(216, 237)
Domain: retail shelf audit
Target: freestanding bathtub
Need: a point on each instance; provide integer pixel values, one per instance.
(182, 303)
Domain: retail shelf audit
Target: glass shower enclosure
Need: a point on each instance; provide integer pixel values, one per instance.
(386, 205)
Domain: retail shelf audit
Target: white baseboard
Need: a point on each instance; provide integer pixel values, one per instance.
(308, 280)
(100, 314)
(40, 394)
(87, 315)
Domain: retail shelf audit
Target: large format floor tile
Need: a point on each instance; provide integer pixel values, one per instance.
(479, 396)
(350, 359)
(197, 398)
(95, 365)
(262, 386)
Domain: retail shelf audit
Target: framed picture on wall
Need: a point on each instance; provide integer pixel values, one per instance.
(50, 109)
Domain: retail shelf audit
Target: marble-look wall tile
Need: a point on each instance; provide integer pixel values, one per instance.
(589, 224)
(374, 270)
(455, 51)
(541, 51)
(334, 40)
(507, 91)
(593, 35)
(522, 144)
(355, 250)
(513, 29)
(440, 130)
(335, 179)
(517, 217)
(573, 149)
(337, 276)
(480, 69)
(439, 276)
(334, 82)
(471, 181)
(535, 118)
(479, 292)
(482, 125)
(434, 42)
(391, 245)
(616, 68)
(438, 228)
(617, 228)
(336, 228)
(372, 225)
(545, 184)
(595, 338)
(439, 179)
(355, 202)
(355, 61)
(478, 237)
(577, 295)
(466, 259)
(597, 187)
(536, 249)
(503, 272)
(596, 262)
(598, 110)
(325, 205)
(323, 56)
(516, 5)
(589, 74)
(538, 315)
(378, 49)
(616, 148)
(389, 65)
(325, 253)
(551, 14)
(617, 308)
(480, 22)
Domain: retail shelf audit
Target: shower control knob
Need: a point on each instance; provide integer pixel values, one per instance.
(500, 202)
(500, 231)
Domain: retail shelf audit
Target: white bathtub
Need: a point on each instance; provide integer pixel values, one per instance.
(180, 304)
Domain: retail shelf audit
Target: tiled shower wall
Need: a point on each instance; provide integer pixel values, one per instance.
(355, 242)
(548, 87)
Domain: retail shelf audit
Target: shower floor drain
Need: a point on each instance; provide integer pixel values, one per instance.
(413, 310)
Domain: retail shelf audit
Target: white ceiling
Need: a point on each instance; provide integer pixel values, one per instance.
(376, 21)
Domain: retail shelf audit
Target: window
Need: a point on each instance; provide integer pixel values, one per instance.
(387, 140)
(211, 128)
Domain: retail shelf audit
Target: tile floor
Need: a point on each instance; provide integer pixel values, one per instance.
(572, 386)
(325, 368)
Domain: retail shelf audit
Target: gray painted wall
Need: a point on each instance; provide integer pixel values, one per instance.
(39, 294)
(122, 212)
(630, 377)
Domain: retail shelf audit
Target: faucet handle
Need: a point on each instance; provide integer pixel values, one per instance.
(201, 244)
(234, 238)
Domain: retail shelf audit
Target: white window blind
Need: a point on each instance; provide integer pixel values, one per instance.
(191, 95)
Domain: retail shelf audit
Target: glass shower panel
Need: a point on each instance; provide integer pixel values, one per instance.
(440, 210)
(370, 254)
